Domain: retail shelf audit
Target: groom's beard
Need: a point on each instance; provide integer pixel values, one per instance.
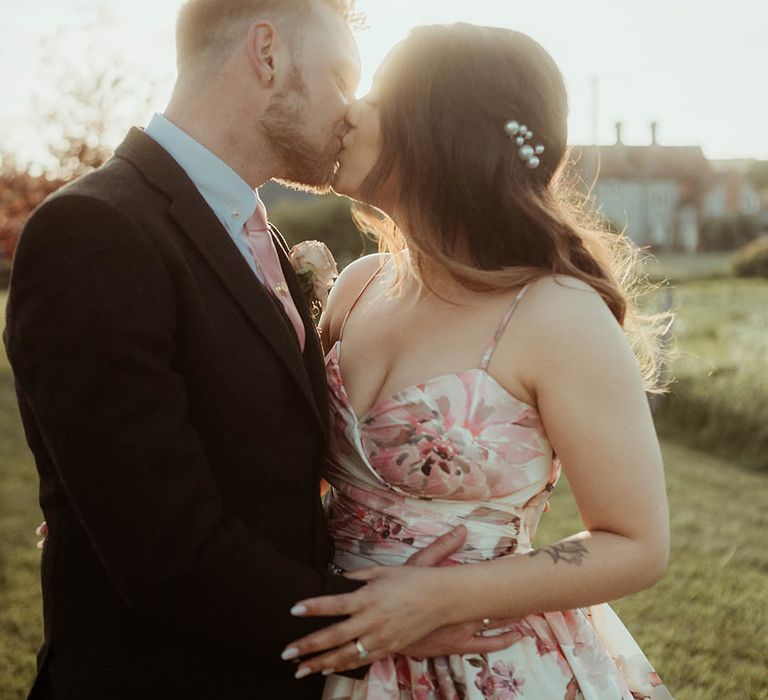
(306, 166)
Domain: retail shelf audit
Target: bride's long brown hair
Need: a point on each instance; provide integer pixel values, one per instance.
(471, 206)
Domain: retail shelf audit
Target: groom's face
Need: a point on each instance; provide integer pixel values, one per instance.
(305, 120)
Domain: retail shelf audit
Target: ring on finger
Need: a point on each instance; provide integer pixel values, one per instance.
(484, 626)
(362, 652)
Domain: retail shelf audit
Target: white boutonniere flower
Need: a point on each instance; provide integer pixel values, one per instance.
(316, 269)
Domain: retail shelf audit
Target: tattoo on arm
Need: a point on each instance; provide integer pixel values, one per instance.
(568, 552)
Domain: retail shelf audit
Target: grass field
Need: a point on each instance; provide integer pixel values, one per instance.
(685, 267)
(20, 613)
(719, 398)
(703, 626)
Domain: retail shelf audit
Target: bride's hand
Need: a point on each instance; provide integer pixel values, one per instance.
(399, 606)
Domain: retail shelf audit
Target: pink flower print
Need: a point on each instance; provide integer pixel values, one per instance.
(494, 516)
(545, 646)
(597, 663)
(530, 419)
(424, 446)
(485, 685)
(639, 675)
(384, 501)
(483, 680)
(444, 439)
(498, 682)
(504, 547)
(507, 686)
(448, 673)
(535, 628)
(424, 688)
(477, 415)
(573, 692)
(383, 681)
(512, 443)
(444, 450)
(577, 629)
(392, 436)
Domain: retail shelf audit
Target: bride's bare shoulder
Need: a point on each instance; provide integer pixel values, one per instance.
(561, 287)
(354, 276)
(346, 289)
(566, 318)
(562, 297)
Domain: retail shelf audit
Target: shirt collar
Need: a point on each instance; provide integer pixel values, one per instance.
(226, 193)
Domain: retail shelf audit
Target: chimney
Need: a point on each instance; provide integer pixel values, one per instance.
(619, 127)
(654, 132)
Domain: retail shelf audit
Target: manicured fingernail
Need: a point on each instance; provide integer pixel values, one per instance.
(40, 544)
(39, 531)
(302, 672)
(289, 653)
(329, 671)
(298, 610)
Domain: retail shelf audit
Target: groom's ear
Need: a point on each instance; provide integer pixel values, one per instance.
(261, 51)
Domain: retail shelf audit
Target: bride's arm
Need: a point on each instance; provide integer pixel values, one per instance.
(590, 394)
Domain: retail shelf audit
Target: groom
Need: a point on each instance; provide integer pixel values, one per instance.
(171, 383)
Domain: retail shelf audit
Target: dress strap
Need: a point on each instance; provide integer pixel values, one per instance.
(357, 298)
(502, 327)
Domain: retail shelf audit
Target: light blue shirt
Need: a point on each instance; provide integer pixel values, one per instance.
(226, 193)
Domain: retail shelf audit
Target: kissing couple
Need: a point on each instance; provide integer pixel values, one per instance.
(182, 408)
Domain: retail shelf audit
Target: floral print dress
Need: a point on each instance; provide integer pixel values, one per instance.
(459, 449)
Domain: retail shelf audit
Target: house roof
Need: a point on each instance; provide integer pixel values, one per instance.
(631, 162)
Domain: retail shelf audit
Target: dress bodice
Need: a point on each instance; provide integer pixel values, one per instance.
(456, 449)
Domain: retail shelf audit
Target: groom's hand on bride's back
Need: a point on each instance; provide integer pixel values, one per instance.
(454, 639)
(466, 638)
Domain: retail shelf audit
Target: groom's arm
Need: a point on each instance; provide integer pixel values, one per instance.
(91, 338)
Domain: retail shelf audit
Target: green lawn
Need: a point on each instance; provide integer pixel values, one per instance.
(20, 613)
(680, 267)
(719, 398)
(722, 329)
(703, 626)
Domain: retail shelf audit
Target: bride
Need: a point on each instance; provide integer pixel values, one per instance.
(490, 344)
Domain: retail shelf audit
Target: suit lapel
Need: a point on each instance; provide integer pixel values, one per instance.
(200, 225)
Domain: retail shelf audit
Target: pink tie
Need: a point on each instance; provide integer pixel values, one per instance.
(262, 247)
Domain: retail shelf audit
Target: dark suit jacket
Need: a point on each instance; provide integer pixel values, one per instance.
(179, 436)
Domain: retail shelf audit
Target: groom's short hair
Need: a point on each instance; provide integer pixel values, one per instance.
(207, 28)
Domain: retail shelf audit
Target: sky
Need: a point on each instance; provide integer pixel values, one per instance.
(697, 67)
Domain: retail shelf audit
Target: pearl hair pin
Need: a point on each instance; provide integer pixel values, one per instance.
(521, 133)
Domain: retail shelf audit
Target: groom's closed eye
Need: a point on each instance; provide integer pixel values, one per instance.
(344, 88)
(347, 77)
